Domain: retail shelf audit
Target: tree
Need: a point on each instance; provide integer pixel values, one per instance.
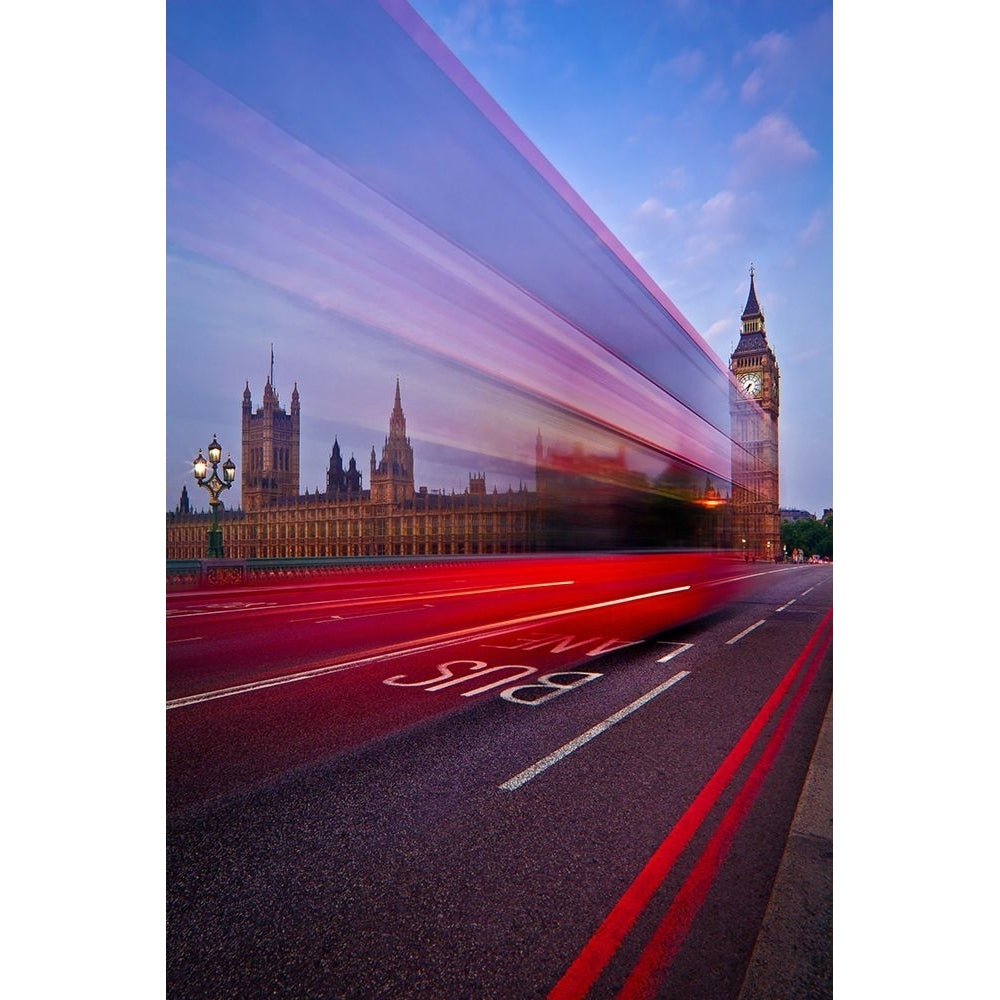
(814, 538)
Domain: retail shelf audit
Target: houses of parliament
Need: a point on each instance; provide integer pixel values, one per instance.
(580, 502)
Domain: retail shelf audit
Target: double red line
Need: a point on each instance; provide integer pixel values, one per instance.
(656, 957)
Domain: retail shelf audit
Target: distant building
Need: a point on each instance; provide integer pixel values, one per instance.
(790, 514)
(390, 518)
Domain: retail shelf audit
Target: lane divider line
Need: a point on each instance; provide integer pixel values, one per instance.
(567, 748)
(746, 631)
(677, 652)
(605, 941)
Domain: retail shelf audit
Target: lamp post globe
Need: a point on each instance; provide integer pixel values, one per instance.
(215, 485)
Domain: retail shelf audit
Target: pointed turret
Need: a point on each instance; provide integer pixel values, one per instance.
(392, 479)
(397, 422)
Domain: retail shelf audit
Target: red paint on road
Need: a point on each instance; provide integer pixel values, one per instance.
(647, 976)
(598, 951)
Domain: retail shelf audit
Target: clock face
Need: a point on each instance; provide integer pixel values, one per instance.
(751, 383)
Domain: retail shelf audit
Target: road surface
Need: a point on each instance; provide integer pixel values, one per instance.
(534, 792)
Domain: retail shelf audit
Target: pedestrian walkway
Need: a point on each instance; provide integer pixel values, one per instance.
(793, 955)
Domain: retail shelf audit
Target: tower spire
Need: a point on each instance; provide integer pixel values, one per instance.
(752, 308)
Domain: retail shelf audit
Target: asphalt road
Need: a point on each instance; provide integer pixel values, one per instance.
(604, 817)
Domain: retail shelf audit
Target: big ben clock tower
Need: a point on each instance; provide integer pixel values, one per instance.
(753, 413)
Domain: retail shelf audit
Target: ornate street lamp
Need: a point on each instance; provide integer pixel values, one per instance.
(215, 486)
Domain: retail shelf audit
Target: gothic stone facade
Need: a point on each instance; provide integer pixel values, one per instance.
(754, 430)
(390, 518)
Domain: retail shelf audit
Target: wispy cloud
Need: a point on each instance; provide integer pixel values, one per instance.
(654, 209)
(815, 228)
(774, 45)
(769, 55)
(685, 66)
(715, 91)
(752, 87)
(698, 231)
(675, 179)
(720, 209)
(719, 329)
(774, 143)
(480, 25)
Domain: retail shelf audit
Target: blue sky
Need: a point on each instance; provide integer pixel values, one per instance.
(319, 177)
(701, 133)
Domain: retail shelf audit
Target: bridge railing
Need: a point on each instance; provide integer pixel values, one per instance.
(201, 574)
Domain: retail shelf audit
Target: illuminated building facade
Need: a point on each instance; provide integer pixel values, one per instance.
(754, 429)
(270, 471)
(391, 518)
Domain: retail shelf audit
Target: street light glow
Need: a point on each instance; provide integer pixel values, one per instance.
(215, 486)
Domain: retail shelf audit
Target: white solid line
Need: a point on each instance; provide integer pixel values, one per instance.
(564, 751)
(196, 699)
(354, 618)
(676, 652)
(746, 631)
(499, 628)
(359, 602)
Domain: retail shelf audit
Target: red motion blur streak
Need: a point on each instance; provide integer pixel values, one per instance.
(260, 681)
(651, 967)
(384, 612)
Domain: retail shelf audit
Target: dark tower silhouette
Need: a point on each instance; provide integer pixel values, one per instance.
(341, 484)
(336, 478)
